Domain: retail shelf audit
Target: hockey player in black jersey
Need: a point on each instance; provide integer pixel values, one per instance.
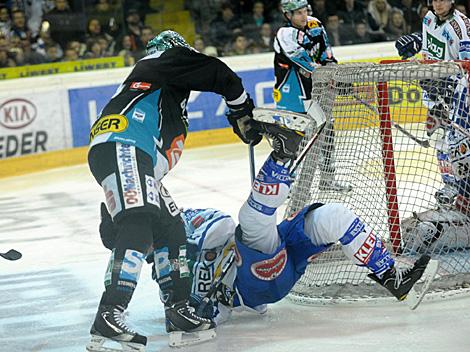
(137, 139)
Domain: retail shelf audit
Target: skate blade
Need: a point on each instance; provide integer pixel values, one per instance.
(287, 119)
(182, 338)
(415, 297)
(97, 343)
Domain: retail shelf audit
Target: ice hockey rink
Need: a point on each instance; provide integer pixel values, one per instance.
(49, 297)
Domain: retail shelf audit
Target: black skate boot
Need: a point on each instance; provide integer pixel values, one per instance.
(185, 326)
(285, 142)
(399, 283)
(109, 325)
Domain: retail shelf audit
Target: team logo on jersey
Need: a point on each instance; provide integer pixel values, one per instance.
(277, 96)
(313, 24)
(109, 124)
(176, 149)
(436, 48)
(140, 85)
(270, 269)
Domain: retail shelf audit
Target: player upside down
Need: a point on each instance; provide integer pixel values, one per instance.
(270, 258)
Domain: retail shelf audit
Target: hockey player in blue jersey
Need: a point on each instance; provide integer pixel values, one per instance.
(137, 139)
(270, 258)
(300, 46)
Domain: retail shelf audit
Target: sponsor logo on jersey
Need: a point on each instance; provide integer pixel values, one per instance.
(427, 20)
(152, 191)
(365, 251)
(176, 149)
(466, 21)
(197, 221)
(277, 96)
(138, 115)
(436, 48)
(131, 266)
(169, 202)
(268, 189)
(464, 46)
(456, 28)
(140, 85)
(111, 193)
(17, 113)
(270, 269)
(313, 24)
(109, 124)
(129, 176)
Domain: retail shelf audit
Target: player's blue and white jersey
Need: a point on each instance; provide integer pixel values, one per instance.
(210, 235)
(448, 40)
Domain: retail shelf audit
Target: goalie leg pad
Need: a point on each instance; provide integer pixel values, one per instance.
(434, 231)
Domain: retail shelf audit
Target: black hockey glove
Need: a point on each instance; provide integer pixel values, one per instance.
(107, 229)
(438, 117)
(439, 90)
(240, 117)
(409, 45)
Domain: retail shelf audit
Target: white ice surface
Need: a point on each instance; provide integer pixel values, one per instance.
(49, 297)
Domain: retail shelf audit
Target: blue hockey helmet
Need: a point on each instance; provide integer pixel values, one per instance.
(166, 40)
(292, 5)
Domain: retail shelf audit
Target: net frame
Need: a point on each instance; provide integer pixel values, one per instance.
(323, 281)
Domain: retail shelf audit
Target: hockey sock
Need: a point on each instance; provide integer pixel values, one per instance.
(133, 241)
(364, 248)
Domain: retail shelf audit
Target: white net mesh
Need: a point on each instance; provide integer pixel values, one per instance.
(378, 110)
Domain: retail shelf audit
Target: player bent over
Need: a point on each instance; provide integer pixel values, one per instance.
(136, 141)
(270, 258)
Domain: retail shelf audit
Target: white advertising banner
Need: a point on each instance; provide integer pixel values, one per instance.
(34, 122)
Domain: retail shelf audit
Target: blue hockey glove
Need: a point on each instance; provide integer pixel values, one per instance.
(240, 117)
(409, 45)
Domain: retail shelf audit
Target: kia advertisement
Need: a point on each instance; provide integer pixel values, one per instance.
(33, 123)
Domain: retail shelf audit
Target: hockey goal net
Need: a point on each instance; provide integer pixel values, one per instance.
(378, 145)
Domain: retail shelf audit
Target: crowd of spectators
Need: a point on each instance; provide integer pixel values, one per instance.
(245, 27)
(42, 31)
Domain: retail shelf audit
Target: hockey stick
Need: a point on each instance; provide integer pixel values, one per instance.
(11, 255)
(251, 155)
(422, 142)
(308, 146)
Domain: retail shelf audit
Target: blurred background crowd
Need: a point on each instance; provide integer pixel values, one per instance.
(42, 31)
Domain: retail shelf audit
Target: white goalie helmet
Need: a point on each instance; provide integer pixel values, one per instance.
(292, 5)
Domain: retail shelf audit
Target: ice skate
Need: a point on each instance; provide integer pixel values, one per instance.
(400, 283)
(185, 327)
(446, 195)
(109, 328)
(285, 142)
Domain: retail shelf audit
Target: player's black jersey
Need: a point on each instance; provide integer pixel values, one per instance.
(149, 108)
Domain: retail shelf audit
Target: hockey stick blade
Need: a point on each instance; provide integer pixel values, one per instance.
(415, 297)
(11, 255)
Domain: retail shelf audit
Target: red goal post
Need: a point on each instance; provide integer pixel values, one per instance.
(377, 143)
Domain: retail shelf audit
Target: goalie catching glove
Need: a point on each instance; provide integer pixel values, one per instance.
(409, 45)
(240, 117)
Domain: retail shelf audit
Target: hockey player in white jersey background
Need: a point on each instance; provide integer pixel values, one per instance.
(270, 258)
(445, 36)
(300, 46)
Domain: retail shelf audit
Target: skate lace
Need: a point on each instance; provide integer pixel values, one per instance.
(118, 316)
(399, 277)
(273, 141)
